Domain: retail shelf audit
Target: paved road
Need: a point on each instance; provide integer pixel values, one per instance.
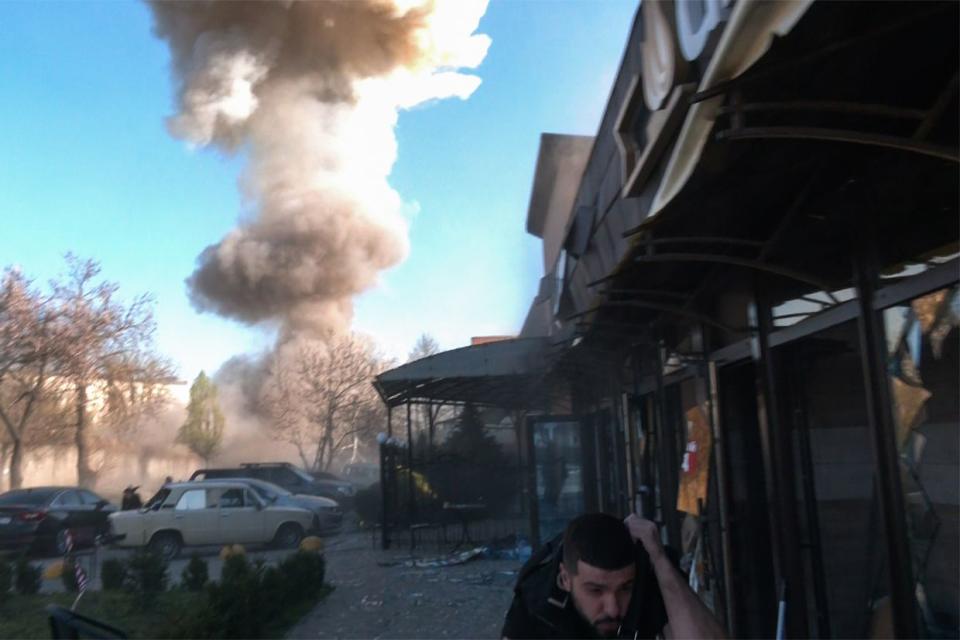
(400, 601)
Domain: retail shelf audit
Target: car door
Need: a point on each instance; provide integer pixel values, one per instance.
(98, 509)
(286, 479)
(241, 519)
(73, 515)
(197, 517)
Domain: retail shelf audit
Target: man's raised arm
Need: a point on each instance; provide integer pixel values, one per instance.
(688, 616)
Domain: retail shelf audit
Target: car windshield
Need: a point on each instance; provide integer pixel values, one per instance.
(27, 497)
(157, 499)
(303, 475)
(266, 490)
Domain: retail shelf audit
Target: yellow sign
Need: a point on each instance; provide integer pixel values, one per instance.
(695, 470)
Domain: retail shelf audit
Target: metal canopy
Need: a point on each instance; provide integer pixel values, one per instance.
(508, 374)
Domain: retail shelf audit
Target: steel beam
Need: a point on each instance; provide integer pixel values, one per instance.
(778, 467)
(756, 265)
(873, 348)
(899, 143)
(723, 494)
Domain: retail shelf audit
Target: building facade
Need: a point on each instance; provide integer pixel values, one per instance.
(747, 326)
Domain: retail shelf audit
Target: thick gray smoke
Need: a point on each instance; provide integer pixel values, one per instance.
(309, 91)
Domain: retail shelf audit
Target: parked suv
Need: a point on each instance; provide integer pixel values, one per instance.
(290, 477)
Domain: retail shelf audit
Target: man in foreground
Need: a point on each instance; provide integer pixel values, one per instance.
(598, 582)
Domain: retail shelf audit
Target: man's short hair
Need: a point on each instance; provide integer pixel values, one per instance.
(598, 539)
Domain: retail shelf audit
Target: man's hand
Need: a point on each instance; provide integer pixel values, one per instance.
(647, 533)
(688, 616)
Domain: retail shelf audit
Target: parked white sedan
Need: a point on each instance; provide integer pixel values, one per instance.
(209, 513)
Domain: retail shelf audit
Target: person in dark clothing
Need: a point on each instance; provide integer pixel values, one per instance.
(131, 499)
(606, 578)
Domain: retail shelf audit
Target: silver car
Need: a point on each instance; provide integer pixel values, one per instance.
(329, 514)
(209, 513)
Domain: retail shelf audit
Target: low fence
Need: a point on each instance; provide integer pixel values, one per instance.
(442, 501)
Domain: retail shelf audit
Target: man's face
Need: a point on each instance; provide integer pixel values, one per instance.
(600, 596)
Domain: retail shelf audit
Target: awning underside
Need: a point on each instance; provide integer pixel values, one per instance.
(508, 374)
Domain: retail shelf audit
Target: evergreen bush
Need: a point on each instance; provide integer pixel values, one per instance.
(6, 579)
(250, 597)
(27, 577)
(235, 600)
(472, 468)
(113, 573)
(146, 576)
(303, 573)
(196, 574)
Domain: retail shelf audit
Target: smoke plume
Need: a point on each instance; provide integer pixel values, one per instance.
(309, 92)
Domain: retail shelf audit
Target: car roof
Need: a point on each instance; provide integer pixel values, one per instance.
(219, 470)
(206, 484)
(267, 464)
(49, 488)
(243, 480)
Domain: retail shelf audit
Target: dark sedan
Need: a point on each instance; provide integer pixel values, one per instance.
(38, 518)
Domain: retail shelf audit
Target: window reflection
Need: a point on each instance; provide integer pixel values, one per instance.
(559, 481)
(922, 341)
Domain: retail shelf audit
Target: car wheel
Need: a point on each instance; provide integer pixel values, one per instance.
(288, 536)
(166, 545)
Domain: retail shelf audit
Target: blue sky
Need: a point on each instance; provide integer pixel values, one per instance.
(88, 167)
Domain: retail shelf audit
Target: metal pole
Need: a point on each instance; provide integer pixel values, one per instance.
(886, 458)
(802, 427)
(384, 495)
(760, 349)
(631, 445)
(531, 475)
(778, 453)
(720, 460)
(669, 460)
(412, 507)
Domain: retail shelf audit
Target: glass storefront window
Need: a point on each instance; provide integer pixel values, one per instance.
(922, 350)
(559, 477)
(843, 545)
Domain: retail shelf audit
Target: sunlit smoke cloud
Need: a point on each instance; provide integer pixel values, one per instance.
(309, 92)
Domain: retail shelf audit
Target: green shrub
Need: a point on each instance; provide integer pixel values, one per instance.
(6, 579)
(196, 574)
(235, 600)
(251, 597)
(146, 576)
(303, 573)
(113, 573)
(27, 577)
(275, 593)
(236, 569)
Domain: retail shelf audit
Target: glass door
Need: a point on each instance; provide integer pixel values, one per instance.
(558, 475)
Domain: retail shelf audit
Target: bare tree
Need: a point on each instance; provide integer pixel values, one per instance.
(29, 341)
(429, 414)
(320, 398)
(108, 351)
(425, 346)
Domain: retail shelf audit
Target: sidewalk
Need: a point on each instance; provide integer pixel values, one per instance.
(399, 601)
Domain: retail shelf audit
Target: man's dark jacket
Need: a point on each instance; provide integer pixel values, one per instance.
(541, 609)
